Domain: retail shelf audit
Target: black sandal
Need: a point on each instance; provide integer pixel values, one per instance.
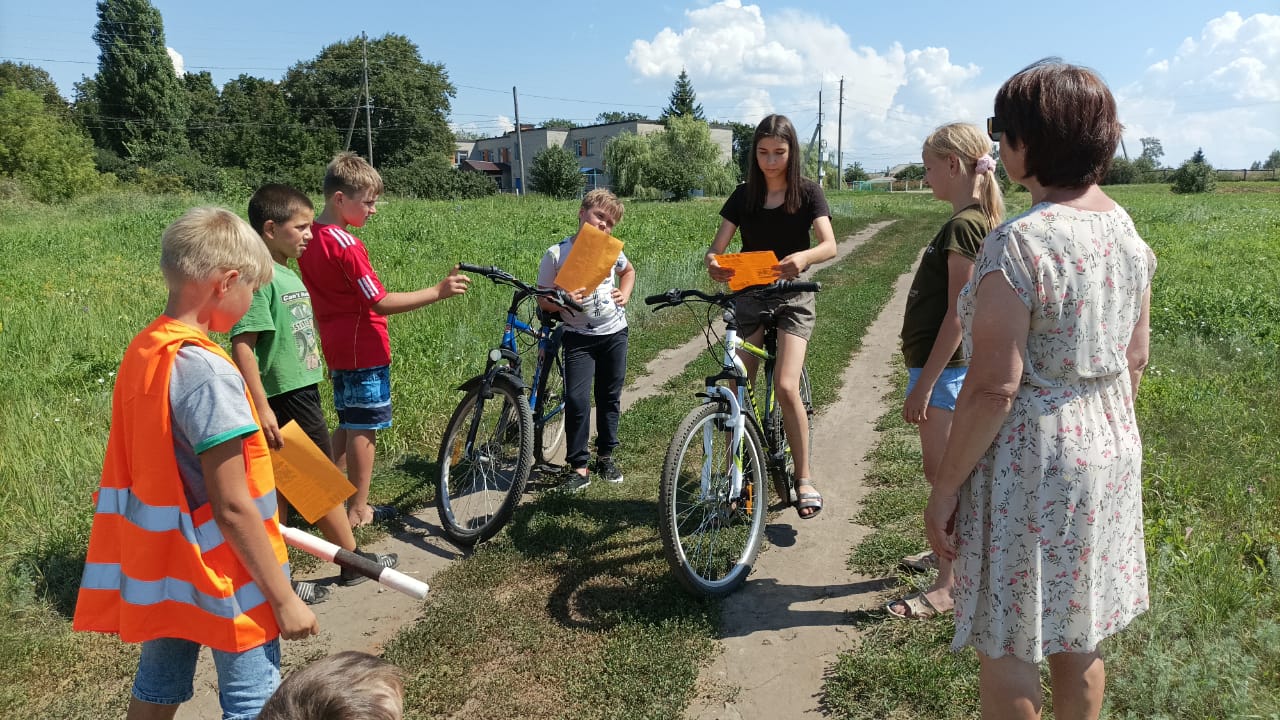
(309, 592)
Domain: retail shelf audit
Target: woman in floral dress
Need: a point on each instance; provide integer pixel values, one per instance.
(1042, 472)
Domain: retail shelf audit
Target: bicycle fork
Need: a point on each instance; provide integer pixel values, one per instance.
(737, 425)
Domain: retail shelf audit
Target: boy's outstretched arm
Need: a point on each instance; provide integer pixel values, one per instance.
(242, 346)
(455, 283)
(237, 517)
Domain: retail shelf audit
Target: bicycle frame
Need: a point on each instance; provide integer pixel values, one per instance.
(733, 368)
(548, 338)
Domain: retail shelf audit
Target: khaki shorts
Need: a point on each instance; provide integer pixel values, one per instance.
(793, 312)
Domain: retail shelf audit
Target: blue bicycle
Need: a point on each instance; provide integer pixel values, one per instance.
(489, 446)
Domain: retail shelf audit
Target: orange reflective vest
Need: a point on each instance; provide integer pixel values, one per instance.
(157, 568)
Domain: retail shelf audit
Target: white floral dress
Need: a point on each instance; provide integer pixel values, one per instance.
(1049, 525)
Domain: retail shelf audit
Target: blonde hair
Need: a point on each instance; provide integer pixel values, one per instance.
(349, 174)
(206, 240)
(969, 144)
(349, 685)
(606, 201)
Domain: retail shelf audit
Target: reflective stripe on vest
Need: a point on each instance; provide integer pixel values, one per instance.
(206, 536)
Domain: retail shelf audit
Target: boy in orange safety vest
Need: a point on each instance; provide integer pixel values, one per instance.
(185, 549)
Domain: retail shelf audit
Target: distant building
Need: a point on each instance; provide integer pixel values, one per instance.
(498, 158)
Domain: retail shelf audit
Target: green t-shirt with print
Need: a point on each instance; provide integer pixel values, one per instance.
(288, 349)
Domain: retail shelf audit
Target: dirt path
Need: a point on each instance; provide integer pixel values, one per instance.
(783, 629)
(367, 616)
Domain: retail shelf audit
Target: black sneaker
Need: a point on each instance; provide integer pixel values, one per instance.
(574, 480)
(608, 470)
(347, 578)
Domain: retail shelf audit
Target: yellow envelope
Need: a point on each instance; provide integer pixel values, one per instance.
(306, 477)
(590, 260)
(750, 268)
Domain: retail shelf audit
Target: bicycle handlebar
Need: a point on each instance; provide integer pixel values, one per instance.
(676, 296)
(502, 277)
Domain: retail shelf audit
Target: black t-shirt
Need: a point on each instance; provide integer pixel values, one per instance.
(774, 229)
(927, 302)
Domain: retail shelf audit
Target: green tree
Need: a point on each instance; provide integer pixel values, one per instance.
(555, 172)
(411, 100)
(142, 106)
(743, 134)
(910, 172)
(203, 132)
(560, 123)
(1152, 151)
(683, 101)
(1195, 175)
(1122, 172)
(45, 153)
(1273, 161)
(684, 159)
(855, 173)
(260, 133)
(616, 116)
(626, 159)
(35, 79)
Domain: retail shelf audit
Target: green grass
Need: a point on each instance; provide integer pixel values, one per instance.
(1208, 413)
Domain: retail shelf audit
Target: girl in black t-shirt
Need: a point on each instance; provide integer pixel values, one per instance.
(775, 209)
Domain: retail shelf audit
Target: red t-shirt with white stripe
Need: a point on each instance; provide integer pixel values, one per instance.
(336, 270)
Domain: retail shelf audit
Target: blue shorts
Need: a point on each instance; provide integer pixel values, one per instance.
(945, 391)
(363, 398)
(246, 679)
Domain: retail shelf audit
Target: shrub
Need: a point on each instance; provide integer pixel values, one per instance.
(1122, 172)
(1195, 176)
(435, 182)
(555, 172)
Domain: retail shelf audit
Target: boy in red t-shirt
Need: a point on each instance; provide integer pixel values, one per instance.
(350, 307)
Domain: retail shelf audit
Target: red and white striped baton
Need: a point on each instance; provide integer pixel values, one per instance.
(329, 552)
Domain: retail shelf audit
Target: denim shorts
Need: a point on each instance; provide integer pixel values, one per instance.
(167, 667)
(362, 398)
(945, 391)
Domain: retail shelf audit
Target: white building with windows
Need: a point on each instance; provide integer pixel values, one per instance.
(498, 158)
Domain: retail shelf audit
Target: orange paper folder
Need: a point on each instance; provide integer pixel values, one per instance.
(306, 477)
(590, 260)
(750, 268)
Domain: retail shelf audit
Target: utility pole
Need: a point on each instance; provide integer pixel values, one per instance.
(840, 139)
(368, 101)
(821, 169)
(519, 139)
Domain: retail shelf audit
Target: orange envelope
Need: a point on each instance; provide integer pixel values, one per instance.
(590, 260)
(750, 268)
(306, 477)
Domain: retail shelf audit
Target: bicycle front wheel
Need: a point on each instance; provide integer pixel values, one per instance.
(548, 415)
(710, 537)
(483, 471)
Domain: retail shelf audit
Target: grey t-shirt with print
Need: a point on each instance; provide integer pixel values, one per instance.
(601, 315)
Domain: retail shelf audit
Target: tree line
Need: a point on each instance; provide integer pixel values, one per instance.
(136, 120)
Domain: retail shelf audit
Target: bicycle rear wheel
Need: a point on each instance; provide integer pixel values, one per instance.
(782, 466)
(549, 413)
(709, 538)
(483, 477)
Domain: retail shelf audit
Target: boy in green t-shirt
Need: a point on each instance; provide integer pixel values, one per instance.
(277, 350)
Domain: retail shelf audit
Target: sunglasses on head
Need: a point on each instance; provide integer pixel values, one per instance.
(995, 129)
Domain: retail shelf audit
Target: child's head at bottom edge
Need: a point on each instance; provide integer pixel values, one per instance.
(349, 685)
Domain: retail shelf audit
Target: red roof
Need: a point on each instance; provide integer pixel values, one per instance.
(480, 166)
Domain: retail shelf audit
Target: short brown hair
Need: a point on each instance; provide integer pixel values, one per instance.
(276, 202)
(1064, 117)
(606, 201)
(349, 174)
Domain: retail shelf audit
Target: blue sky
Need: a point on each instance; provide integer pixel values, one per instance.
(1193, 74)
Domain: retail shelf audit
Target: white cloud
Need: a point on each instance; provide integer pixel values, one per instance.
(745, 64)
(1219, 91)
(179, 66)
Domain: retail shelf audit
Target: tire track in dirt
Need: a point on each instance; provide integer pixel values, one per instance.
(782, 630)
(368, 616)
